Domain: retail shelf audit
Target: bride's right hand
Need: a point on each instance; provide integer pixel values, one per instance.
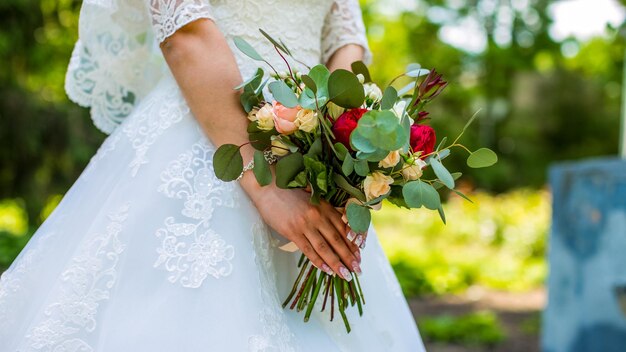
(317, 230)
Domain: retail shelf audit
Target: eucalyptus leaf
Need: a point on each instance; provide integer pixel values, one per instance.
(259, 138)
(310, 83)
(418, 193)
(287, 168)
(345, 90)
(283, 94)
(342, 183)
(456, 175)
(443, 141)
(259, 73)
(261, 169)
(341, 151)
(361, 167)
(389, 98)
(460, 194)
(361, 143)
(227, 162)
(280, 45)
(442, 215)
(359, 217)
(407, 88)
(483, 157)
(360, 67)
(441, 172)
(347, 167)
(320, 74)
(247, 49)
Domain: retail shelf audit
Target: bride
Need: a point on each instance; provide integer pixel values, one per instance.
(149, 251)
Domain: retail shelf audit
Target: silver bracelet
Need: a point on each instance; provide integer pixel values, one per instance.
(269, 157)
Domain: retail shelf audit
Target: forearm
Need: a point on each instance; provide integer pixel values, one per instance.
(206, 72)
(345, 56)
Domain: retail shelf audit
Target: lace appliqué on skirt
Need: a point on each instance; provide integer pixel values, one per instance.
(276, 335)
(191, 250)
(86, 282)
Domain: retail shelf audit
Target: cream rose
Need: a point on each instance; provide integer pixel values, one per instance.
(392, 159)
(376, 184)
(398, 108)
(264, 117)
(306, 120)
(412, 172)
(284, 118)
(279, 148)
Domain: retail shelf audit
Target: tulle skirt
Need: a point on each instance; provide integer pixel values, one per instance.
(149, 251)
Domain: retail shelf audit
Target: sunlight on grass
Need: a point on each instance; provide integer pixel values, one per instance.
(497, 242)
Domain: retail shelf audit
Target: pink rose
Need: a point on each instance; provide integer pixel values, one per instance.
(284, 118)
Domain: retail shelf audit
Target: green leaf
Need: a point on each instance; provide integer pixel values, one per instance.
(442, 173)
(443, 141)
(341, 151)
(483, 157)
(287, 168)
(348, 166)
(359, 217)
(249, 99)
(322, 181)
(346, 186)
(345, 90)
(320, 74)
(361, 167)
(261, 169)
(375, 156)
(460, 194)
(310, 83)
(280, 46)
(442, 215)
(382, 130)
(227, 162)
(389, 98)
(418, 193)
(415, 70)
(469, 122)
(259, 138)
(360, 67)
(316, 148)
(247, 49)
(456, 175)
(283, 94)
(361, 143)
(299, 182)
(254, 78)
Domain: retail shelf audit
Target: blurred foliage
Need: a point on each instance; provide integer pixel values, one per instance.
(497, 242)
(475, 329)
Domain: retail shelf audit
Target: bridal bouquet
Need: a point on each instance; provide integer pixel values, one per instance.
(350, 143)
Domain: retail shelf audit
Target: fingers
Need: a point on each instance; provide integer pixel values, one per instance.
(328, 254)
(309, 251)
(335, 217)
(338, 243)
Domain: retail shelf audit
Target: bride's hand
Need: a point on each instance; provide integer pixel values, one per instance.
(318, 231)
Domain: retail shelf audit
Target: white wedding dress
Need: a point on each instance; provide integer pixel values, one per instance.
(148, 251)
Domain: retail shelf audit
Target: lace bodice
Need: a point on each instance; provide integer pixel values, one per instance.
(116, 60)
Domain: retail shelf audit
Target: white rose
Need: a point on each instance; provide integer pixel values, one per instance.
(392, 159)
(252, 114)
(265, 117)
(373, 92)
(306, 120)
(334, 110)
(279, 148)
(412, 172)
(376, 184)
(360, 77)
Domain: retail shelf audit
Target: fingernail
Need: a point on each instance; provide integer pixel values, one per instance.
(356, 268)
(345, 273)
(358, 256)
(327, 269)
(351, 235)
(362, 246)
(359, 240)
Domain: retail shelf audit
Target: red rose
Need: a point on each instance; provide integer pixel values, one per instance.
(423, 139)
(345, 124)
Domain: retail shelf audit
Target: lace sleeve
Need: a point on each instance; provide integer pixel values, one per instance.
(168, 16)
(344, 25)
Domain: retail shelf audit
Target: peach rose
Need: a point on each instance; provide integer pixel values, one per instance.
(392, 159)
(284, 118)
(376, 184)
(414, 171)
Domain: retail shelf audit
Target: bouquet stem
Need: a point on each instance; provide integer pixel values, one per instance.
(306, 292)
